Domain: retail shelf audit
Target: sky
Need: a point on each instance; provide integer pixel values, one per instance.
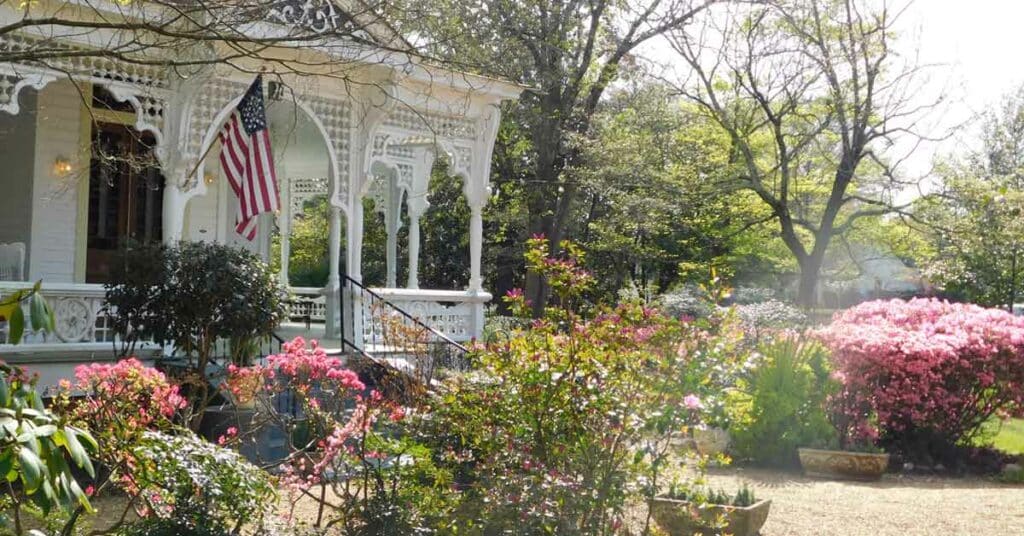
(976, 48)
(979, 46)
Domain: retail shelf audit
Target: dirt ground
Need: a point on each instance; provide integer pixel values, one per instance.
(895, 506)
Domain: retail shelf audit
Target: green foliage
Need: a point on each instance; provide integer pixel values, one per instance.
(564, 406)
(1010, 437)
(11, 310)
(782, 405)
(652, 213)
(308, 245)
(444, 253)
(975, 229)
(1014, 476)
(974, 223)
(35, 446)
(193, 295)
(189, 519)
(707, 495)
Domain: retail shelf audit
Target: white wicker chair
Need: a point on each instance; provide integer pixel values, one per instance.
(12, 261)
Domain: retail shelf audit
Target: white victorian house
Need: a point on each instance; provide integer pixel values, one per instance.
(66, 205)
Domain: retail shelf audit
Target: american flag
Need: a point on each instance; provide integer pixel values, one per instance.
(247, 160)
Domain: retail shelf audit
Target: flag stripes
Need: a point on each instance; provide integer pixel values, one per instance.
(248, 161)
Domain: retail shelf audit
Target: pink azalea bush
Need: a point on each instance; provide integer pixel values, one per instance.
(925, 373)
(345, 447)
(119, 402)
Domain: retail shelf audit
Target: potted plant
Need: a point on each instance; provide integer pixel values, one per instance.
(705, 512)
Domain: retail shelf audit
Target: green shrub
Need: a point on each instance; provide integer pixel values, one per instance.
(193, 295)
(706, 495)
(35, 449)
(782, 405)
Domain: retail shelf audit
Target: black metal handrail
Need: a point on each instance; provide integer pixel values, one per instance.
(419, 323)
(443, 351)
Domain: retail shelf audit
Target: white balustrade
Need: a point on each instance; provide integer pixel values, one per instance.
(78, 315)
(456, 314)
(307, 303)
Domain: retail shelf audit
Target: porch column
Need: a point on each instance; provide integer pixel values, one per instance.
(173, 213)
(416, 206)
(476, 241)
(392, 222)
(353, 299)
(284, 223)
(332, 290)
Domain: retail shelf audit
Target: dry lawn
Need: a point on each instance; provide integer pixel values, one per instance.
(896, 506)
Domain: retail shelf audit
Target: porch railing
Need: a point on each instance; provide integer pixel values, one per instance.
(424, 326)
(307, 304)
(78, 314)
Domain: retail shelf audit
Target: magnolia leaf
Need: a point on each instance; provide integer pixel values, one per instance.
(78, 454)
(9, 304)
(84, 436)
(51, 319)
(15, 325)
(6, 462)
(44, 431)
(5, 391)
(31, 470)
(37, 311)
(83, 499)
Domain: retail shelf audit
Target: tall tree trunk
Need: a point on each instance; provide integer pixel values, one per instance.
(810, 271)
(544, 199)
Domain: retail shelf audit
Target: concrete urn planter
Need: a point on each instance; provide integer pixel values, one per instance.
(711, 441)
(843, 465)
(683, 518)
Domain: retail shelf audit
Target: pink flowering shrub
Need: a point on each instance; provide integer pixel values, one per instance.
(344, 447)
(560, 426)
(118, 402)
(925, 373)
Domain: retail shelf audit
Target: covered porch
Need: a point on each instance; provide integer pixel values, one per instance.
(96, 163)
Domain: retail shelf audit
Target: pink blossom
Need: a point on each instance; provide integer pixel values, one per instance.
(692, 402)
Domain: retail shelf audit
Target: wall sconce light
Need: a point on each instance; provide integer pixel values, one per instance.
(62, 166)
(208, 178)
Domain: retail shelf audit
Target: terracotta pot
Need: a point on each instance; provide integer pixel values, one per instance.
(683, 518)
(843, 465)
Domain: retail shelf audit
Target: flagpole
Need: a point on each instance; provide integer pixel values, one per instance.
(263, 69)
(199, 162)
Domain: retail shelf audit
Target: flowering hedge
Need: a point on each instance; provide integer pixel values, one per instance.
(925, 373)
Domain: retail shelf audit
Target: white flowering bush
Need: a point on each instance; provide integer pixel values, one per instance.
(770, 315)
(750, 295)
(686, 301)
(179, 474)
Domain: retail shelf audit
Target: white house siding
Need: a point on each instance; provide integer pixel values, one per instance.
(55, 200)
(17, 139)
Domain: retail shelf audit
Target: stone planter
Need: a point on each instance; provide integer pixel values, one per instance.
(843, 465)
(711, 441)
(683, 518)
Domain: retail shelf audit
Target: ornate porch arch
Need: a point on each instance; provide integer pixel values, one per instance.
(331, 119)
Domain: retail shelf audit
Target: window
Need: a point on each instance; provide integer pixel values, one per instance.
(125, 196)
